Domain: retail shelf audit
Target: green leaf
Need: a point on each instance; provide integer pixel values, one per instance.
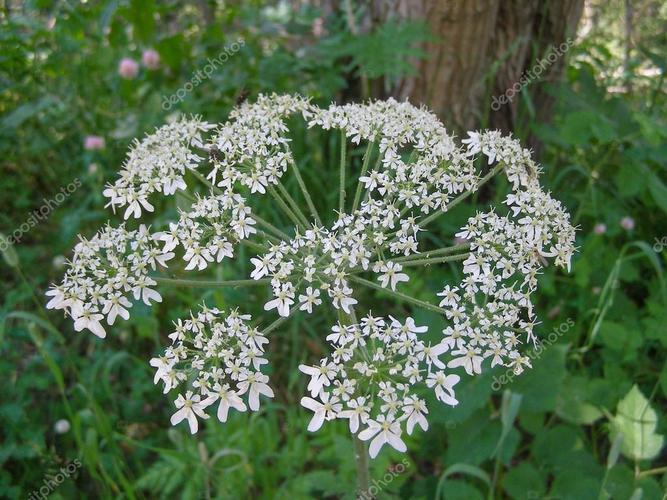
(8, 252)
(658, 191)
(628, 182)
(572, 404)
(541, 385)
(636, 421)
(524, 481)
(620, 338)
(508, 412)
(614, 451)
(465, 469)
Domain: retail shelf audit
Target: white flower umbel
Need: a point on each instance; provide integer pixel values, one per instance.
(157, 165)
(218, 357)
(412, 172)
(105, 272)
(373, 379)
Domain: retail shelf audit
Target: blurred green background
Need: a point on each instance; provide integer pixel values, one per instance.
(586, 422)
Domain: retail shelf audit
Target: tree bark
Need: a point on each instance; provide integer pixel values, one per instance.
(482, 48)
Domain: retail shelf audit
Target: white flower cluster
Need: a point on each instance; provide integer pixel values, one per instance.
(104, 273)
(157, 164)
(491, 306)
(323, 258)
(208, 231)
(372, 379)
(437, 170)
(220, 358)
(252, 148)
(413, 171)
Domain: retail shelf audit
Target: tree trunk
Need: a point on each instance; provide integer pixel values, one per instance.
(481, 49)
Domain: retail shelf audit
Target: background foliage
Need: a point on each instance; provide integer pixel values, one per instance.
(586, 422)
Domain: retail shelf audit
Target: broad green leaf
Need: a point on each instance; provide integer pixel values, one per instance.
(619, 483)
(572, 404)
(620, 337)
(8, 252)
(508, 412)
(636, 421)
(524, 481)
(541, 385)
(469, 470)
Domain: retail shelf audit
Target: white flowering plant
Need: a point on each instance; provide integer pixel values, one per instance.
(379, 366)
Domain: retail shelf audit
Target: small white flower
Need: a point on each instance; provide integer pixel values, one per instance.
(383, 430)
(89, 318)
(320, 376)
(309, 299)
(325, 410)
(255, 385)
(444, 386)
(282, 302)
(358, 413)
(415, 410)
(391, 275)
(189, 408)
(228, 398)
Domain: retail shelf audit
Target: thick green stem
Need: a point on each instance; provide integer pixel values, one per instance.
(364, 169)
(209, 283)
(201, 177)
(306, 194)
(288, 211)
(360, 451)
(435, 260)
(255, 246)
(274, 325)
(363, 473)
(341, 194)
(398, 295)
(293, 204)
(432, 253)
(267, 225)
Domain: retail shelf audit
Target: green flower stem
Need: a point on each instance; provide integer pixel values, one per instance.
(270, 227)
(286, 209)
(294, 205)
(255, 246)
(341, 193)
(463, 196)
(376, 168)
(199, 176)
(435, 260)
(306, 194)
(361, 460)
(432, 253)
(360, 451)
(273, 325)
(364, 169)
(398, 295)
(209, 283)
